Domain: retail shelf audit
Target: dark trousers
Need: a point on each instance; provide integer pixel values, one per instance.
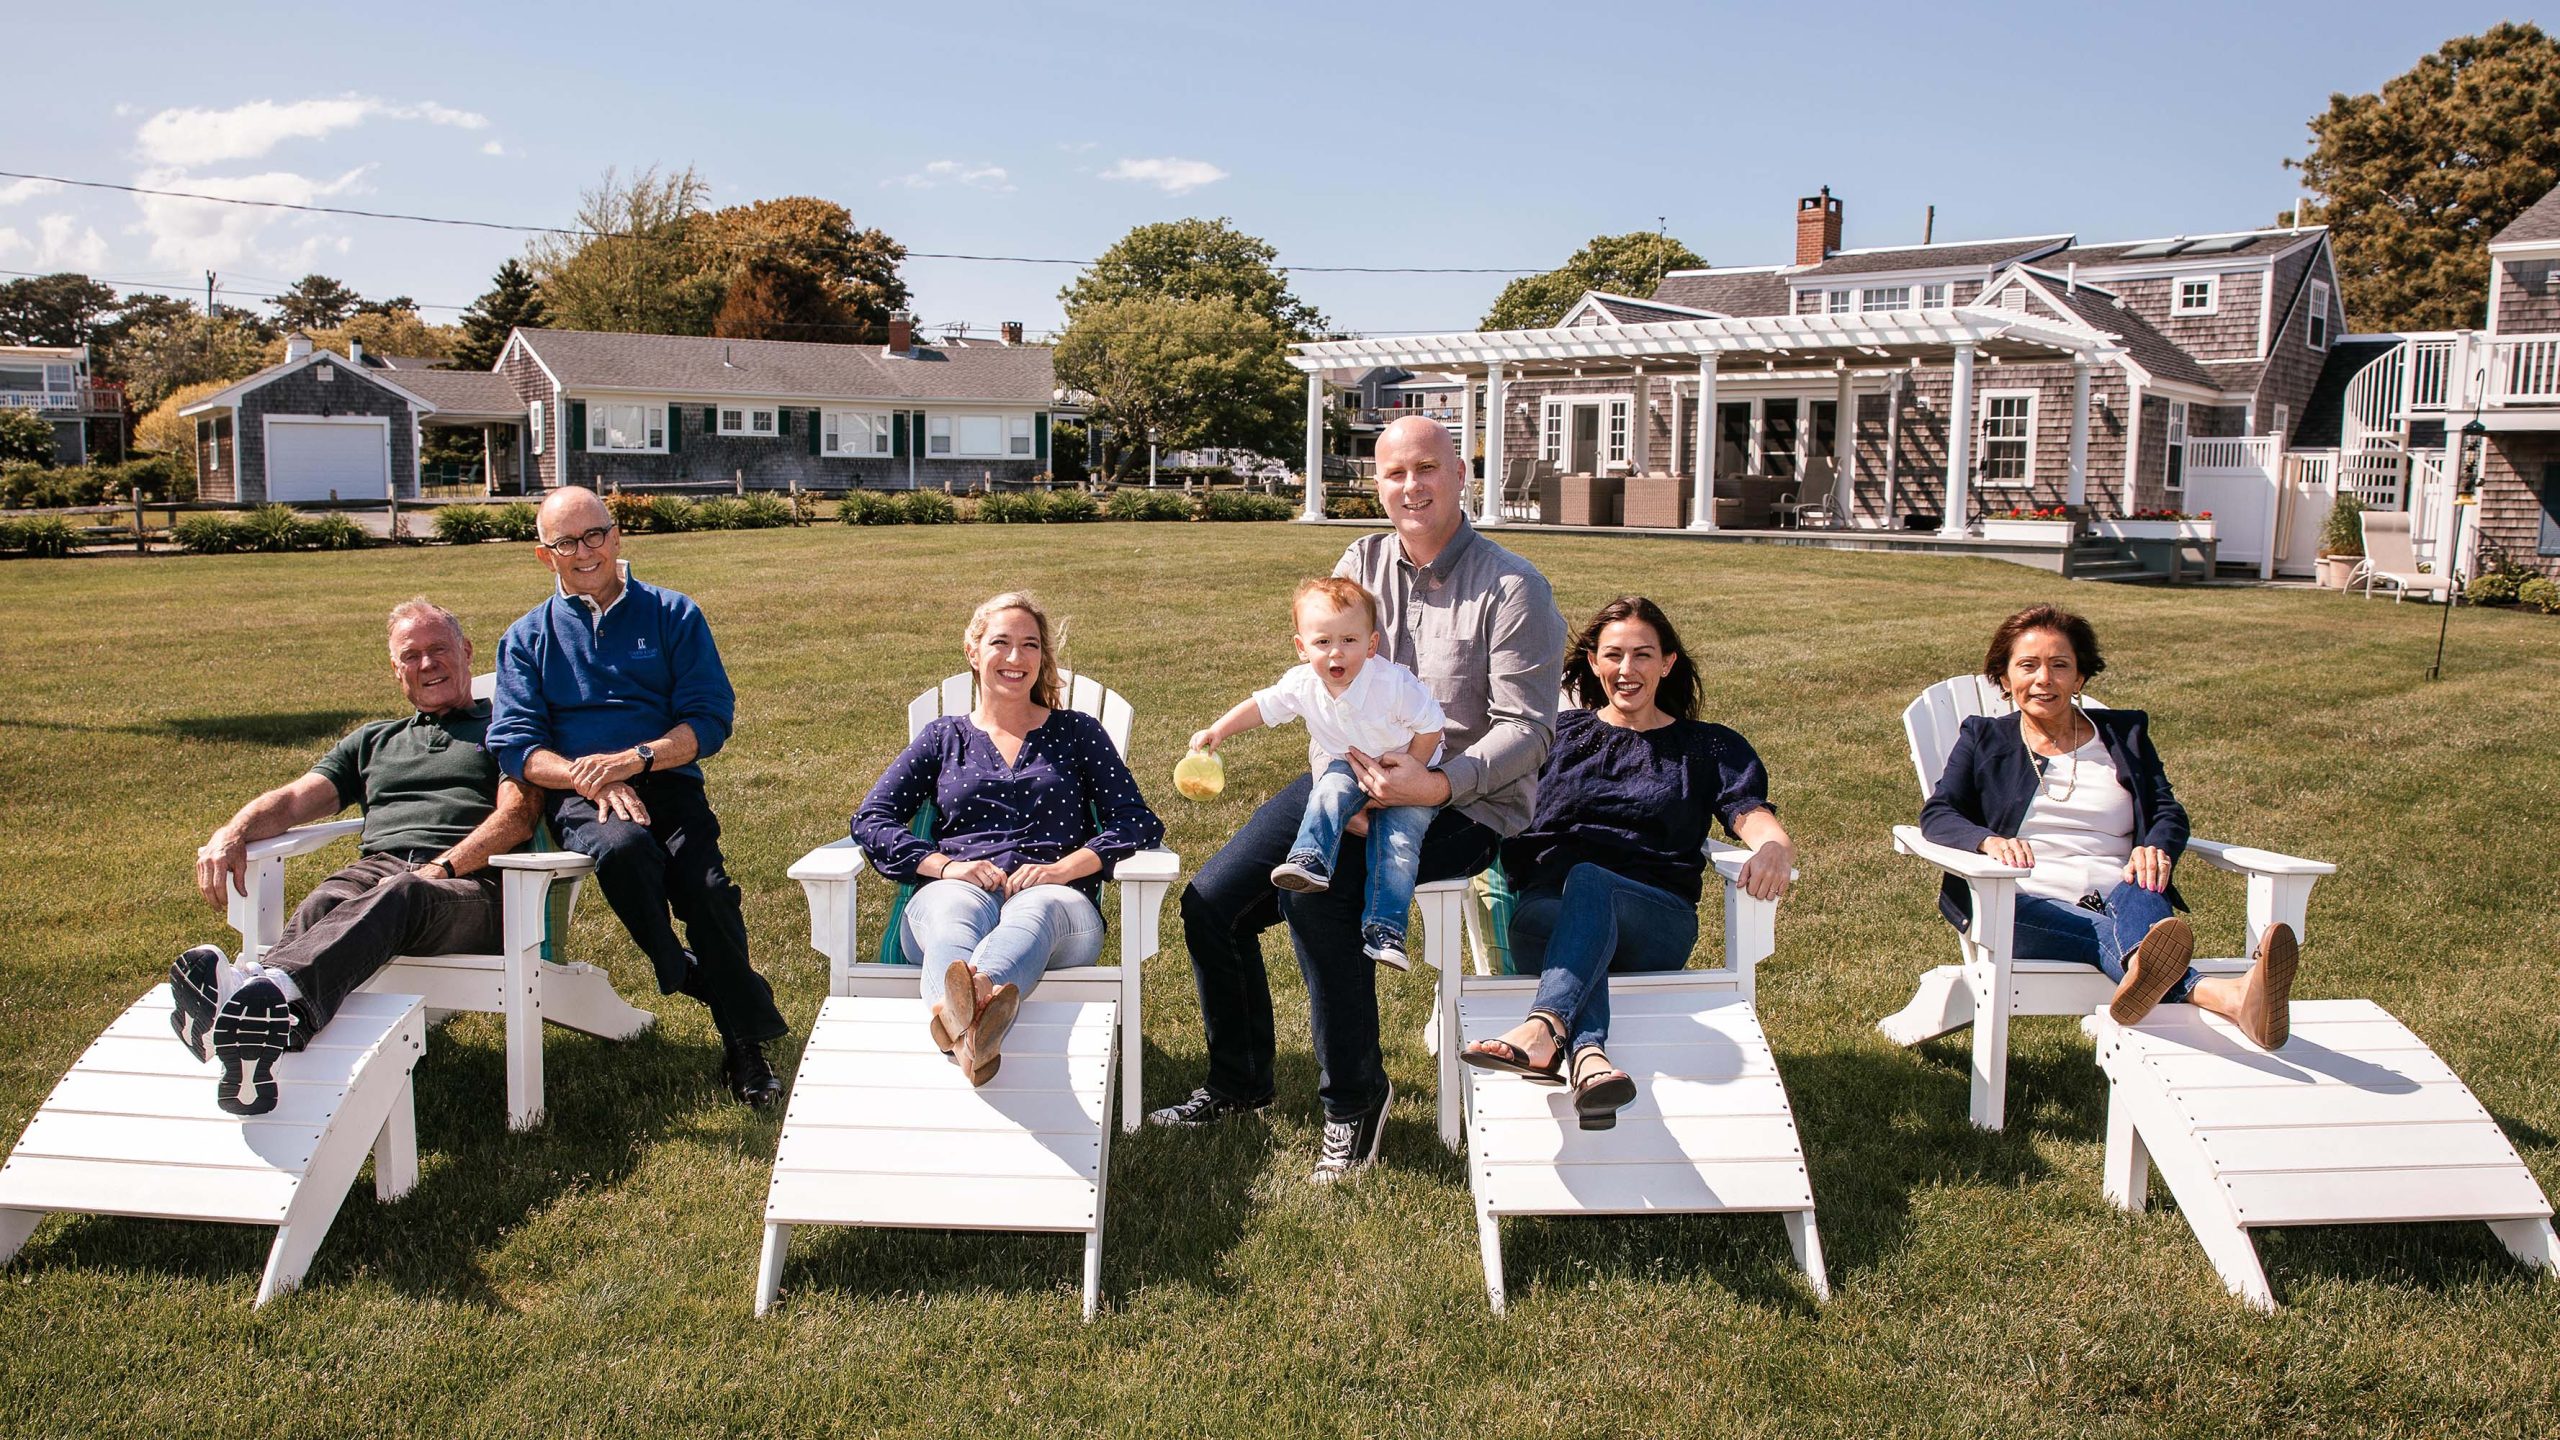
(672, 864)
(365, 916)
(1228, 905)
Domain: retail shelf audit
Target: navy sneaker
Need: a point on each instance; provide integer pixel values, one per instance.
(1203, 1108)
(1352, 1144)
(1385, 945)
(1304, 873)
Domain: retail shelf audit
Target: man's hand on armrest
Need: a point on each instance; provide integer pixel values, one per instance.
(508, 826)
(222, 863)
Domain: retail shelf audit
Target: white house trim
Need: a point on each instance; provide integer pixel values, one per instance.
(266, 450)
(1982, 438)
(2211, 303)
(515, 339)
(230, 395)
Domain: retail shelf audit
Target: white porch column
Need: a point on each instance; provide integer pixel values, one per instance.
(1315, 447)
(2076, 492)
(1959, 443)
(1497, 423)
(1892, 449)
(1467, 431)
(1640, 426)
(1844, 449)
(1702, 485)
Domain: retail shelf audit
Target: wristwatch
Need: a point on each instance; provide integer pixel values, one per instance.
(648, 757)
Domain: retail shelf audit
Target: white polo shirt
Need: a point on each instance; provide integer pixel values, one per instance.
(1382, 709)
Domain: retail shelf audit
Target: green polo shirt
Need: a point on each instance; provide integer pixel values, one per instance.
(424, 782)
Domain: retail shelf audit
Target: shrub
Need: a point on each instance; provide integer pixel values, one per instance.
(335, 532)
(25, 435)
(159, 477)
(463, 525)
(765, 512)
(997, 508)
(1236, 505)
(717, 513)
(1135, 503)
(870, 507)
(36, 487)
(674, 515)
(2492, 587)
(271, 528)
(2542, 593)
(9, 532)
(46, 537)
(1067, 507)
(207, 533)
(2344, 532)
(1354, 507)
(635, 514)
(514, 521)
(930, 507)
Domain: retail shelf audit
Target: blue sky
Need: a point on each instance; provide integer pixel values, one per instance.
(1431, 134)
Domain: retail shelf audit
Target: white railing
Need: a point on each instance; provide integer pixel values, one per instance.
(39, 399)
(2525, 372)
(2375, 475)
(2238, 452)
(2430, 363)
(2373, 399)
(2315, 470)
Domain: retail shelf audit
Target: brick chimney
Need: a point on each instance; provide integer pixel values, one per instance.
(1012, 332)
(1817, 228)
(902, 333)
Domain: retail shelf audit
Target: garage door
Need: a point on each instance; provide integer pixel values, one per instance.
(307, 459)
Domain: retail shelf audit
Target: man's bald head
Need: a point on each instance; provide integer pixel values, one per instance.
(1420, 484)
(1415, 430)
(571, 510)
(571, 514)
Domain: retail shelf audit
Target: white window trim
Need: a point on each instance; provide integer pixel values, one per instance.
(1028, 438)
(2315, 330)
(1981, 445)
(533, 427)
(950, 423)
(1555, 430)
(746, 413)
(653, 417)
(1839, 302)
(2178, 305)
(1946, 295)
(1867, 298)
(2173, 439)
(877, 426)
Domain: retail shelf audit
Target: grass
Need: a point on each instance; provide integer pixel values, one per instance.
(594, 1278)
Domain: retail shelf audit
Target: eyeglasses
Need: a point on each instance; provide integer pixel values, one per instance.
(572, 544)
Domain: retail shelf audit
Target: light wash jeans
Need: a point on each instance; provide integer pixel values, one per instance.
(1009, 941)
(1395, 844)
(1598, 924)
(2050, 930)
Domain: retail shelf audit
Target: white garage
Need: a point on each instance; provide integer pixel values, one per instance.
(344, 457)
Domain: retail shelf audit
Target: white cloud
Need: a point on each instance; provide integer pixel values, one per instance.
(493, 148)
(193, 233)
(1077, 147)
(64, 243)
(243, 132)
(17, 190)
(1166, 173)
(954, 172)
(11, 242)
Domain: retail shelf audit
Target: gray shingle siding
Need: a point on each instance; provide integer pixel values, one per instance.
(2528, 296)
(349, 391)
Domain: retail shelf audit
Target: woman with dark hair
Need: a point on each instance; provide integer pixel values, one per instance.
(2079, 799)
(1608, 874)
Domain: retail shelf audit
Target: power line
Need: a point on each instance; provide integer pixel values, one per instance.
(582, 233)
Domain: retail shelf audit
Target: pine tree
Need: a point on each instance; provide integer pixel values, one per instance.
(514, 302)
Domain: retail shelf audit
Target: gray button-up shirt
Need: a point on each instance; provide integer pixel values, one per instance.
(1479, 625)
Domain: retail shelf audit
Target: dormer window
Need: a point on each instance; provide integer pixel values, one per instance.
(2318, 334)
(2195, 295)
(1933, 296)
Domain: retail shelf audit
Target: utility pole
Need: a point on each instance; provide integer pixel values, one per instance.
(1929, 226)
(208, 294)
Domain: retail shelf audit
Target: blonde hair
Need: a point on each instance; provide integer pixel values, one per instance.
(1044, 686)
(1338, 591)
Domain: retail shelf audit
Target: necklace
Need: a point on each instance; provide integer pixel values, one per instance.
(2066, 760)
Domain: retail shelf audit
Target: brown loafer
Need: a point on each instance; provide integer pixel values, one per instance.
(2152, 970)
(959, 1008)
(2266, 996)
(981, 1050)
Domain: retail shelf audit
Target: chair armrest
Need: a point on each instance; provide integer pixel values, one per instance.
(1728, 862)
(1971, 864)
(558, 862)
(1157, 865)
(836, 860)
(303, 839)
(2243, 860)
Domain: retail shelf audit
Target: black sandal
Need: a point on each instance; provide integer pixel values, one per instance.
(1598, 1095)
(1501, 1055)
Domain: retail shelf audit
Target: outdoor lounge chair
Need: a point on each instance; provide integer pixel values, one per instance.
(2389, 558)
(882, 1130)
(527, 983)
(1710, 1130)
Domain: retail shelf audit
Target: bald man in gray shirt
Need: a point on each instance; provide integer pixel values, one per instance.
(1479, 625)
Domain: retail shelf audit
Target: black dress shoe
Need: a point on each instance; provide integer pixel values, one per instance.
(748, 1074)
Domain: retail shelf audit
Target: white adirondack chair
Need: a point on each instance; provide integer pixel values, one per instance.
(520, 983)
(1710, 1130)
(1990, 986)
(2390, 558)
(1031, 1150)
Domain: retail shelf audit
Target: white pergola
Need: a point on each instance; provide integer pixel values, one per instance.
(1845, 347)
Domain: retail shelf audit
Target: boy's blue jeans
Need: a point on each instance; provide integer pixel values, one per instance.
(1395, 843)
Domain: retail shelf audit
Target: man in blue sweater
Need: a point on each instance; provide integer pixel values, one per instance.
(608, 693)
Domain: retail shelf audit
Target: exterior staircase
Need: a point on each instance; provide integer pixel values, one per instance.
(2093, 558)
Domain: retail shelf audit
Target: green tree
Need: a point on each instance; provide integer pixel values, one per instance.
(513, 303)
(1630, 264)
(162, 355)
(634, 266)
(851, 276)
(316, 302)
(25, 438)
(63, 309)
(1189, 372)
(1196, 260)
(769, 298)
(164, 431)
(2413, 181)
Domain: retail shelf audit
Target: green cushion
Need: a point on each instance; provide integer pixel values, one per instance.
(1491, 890)
(556, 909)
(891, 952)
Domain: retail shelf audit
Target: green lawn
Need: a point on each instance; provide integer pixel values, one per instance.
(595, 1277)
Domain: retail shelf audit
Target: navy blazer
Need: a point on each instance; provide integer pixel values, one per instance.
(1991, 776)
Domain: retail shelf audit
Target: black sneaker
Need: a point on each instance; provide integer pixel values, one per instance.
(1352, 1144)
(1204, 1108)
(748, 1074)
(195, 987)
(254, 1027)
(1384, 945)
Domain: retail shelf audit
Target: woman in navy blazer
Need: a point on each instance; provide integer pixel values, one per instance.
(2080, 799)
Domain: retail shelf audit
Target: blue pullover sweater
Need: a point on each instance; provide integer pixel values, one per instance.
(576, 684)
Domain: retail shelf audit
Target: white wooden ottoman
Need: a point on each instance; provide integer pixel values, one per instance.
(133, 1129)
(884, 1130)
(2353, 1121)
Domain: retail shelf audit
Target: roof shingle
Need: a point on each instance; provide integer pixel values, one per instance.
(1985, 253)
(793, 369)
(2539, 222)
(1733, 292)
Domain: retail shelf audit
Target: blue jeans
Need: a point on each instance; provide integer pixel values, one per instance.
(2050, 930)
(1395, 844)
(1009, 941)
(1599, 923)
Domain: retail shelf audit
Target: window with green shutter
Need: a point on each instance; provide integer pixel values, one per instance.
(1040, 436)
(898, 435)
(675, 428)
(915, 421)
(813, 432)
(786, 422)
(577, 424)
(710, 419)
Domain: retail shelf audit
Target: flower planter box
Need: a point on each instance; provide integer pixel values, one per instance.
(2035, 532)
(2155, 529)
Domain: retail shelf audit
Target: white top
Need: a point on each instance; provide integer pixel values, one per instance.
(2080, 825)
(1382, 709)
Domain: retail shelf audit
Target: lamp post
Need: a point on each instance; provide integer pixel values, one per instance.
(2466, 494)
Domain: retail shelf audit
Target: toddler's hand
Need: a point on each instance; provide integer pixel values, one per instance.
(1204, 740)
